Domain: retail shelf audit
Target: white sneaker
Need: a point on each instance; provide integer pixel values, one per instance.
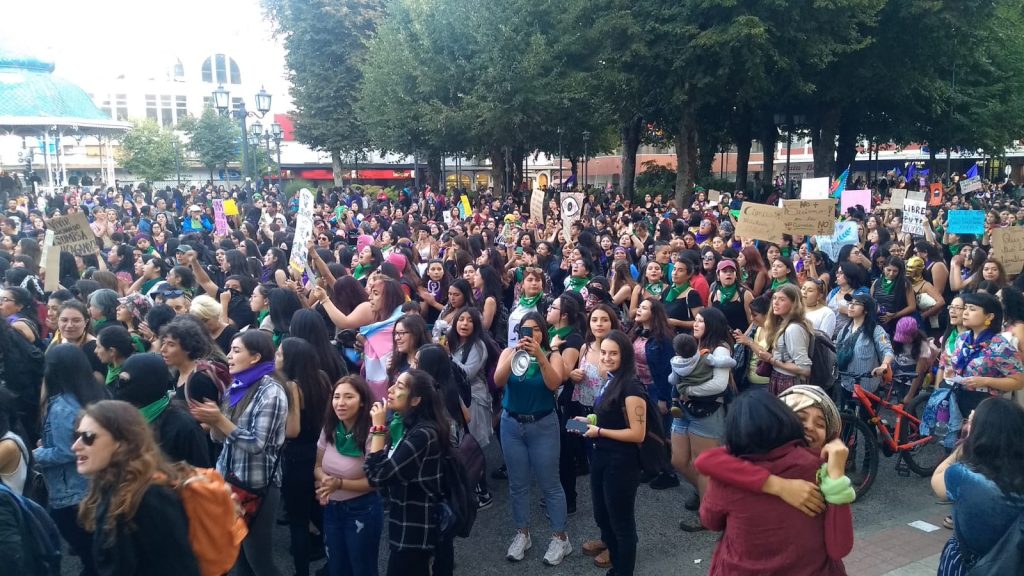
(520, 544)
(557, 550)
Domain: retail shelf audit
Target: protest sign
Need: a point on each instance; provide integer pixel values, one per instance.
(303, 231)
(914, 214)
(72, 234)
(809, 217)
(896, 199)
(537, 207)
(845, 235)
(851, 198)
(935, 194)
(970, 184)
(714, 197)
(572, 204)
(814, 188)
(51, 263)
(220, 222)
(1008, 248)
(230, 208)
(966, 222)
(760, 222)
(915, 195)
(464, 208)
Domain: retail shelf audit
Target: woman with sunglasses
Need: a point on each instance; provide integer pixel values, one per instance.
(69, 386)
(137, 521)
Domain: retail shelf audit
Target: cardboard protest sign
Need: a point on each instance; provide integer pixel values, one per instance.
(303, 231)
(966, 222)
(896, 199)
(537, 207)
(851, 198)
(914, 214)
(72, 234)
(230, 208)
(809, 217)
(714, 197)
(51, 263)
(814, 188)
(220, 221)
(935, 194)
(760, 222)
(1008, 248)
(915, 195)
(572, 207)
(845, 235)
(970, 184)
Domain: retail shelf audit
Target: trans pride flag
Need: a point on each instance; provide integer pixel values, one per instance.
(377, 353)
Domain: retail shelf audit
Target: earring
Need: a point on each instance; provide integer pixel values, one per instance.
(988, 323)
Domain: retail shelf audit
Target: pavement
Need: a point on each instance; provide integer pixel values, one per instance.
(884, 542)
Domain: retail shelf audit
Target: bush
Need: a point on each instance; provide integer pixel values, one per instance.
(654, 179)
(292, 187)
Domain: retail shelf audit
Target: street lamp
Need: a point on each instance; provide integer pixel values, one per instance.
(560, 183)
(789, 121)
(222, 102)
(276, 133)
(586, 160)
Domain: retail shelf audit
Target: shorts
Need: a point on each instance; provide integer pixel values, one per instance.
(710, 427)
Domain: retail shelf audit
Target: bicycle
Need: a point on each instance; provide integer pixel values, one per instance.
(920, 453)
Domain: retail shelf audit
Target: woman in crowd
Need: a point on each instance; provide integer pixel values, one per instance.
(460, 295)
(729, 296)
(753, 273)
(18, 309)
(915, 353)
(682, 301)
(132, 311)
(850, 279)
(410, 469)
(73, 323)
(213, 316)
(386, 300)
(252, 429)
(184, 342)
(434, 290)
(70, 385)
(754, 338)
(789, 340)
(530, 436)
(113, 346)
(893, 294)
(311, 327)
(617, 430)
(820, 316)
(410, 334)
(986, 363)
(530, 300)
(353, 516)
(781, 272)
(103, 309)
(137, 521)
(259, 303)
(284, 303)
(653, 286)
(308, 392)
(766, 432)
(143, 383)
(652, 351)
(487, 289)
(468, 349)
(863, 346)
(565, 321)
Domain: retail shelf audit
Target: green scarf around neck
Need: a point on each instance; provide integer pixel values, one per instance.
(345, 442)
(776, 283)
(655, 289)
(576, 284)
(951, 342)
(360, 271)
(559, 332)
(148, 285)
(676, 290)
(397, 429)
(112, 373)
(727, 293)
(261, 317)
(529, 301)
(153, 410)
(886, 285)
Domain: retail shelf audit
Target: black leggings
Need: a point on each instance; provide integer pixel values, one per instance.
(614, 478)
(409, 562)
(298, 493)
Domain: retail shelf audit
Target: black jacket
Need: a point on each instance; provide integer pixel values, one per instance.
(181, 438)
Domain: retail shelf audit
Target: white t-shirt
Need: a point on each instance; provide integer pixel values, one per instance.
(823, 319)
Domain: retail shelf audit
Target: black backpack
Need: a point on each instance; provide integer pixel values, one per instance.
(458, 509)
(654, 450)
(40, 538)
(824, 369)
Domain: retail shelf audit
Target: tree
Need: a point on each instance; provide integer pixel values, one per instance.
(213, 138)
(324, 41)
(148, 151)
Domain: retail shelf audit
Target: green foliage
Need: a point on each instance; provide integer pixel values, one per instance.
(214, 139)
(654, 179)
(292, 187)
(148, 151)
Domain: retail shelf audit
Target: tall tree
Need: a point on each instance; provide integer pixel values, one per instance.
(212, 138)
(148, 151)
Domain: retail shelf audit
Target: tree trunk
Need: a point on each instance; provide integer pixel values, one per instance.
(337, 169)
(742, 136)
(846, 152)
(706, 150)
(497, 156)
(769, 139)
(686, 151)
(630, 133)
(823, 140)
(433, 170)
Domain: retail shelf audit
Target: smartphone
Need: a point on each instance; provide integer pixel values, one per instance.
(526, 332)
(576, 426)
(519, 251)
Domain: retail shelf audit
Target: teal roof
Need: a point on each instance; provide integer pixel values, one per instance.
(32, 98)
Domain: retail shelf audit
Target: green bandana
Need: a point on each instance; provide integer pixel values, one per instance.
(153, 411)
(727, 293)
(530, 301)
(360, 271)
(261, 316)
(744, 276)
(776, 284)
(397, 429)
(112, 373)
(98, 325)
(886, 285)
(675, 291)
(560, 332)
(655, 289)
(951, 342)
(345, 442)
(576, 284)
(148, 285)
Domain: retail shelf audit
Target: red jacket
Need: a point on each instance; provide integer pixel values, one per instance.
(762, 534)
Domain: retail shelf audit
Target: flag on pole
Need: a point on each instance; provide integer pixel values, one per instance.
(840, 184)
(973, 171)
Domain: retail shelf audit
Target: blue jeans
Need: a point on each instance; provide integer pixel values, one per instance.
(352, 530)
(531, 453)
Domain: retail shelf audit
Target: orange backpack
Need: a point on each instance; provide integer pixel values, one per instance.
(215, 525)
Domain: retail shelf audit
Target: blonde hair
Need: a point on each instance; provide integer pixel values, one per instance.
(775, 326)
(205, 308)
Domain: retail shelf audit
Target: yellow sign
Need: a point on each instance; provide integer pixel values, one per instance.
(230, 208)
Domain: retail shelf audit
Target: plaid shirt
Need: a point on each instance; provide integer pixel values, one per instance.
(412, 478)
(253, 447)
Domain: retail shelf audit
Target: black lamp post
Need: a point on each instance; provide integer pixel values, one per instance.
(222, 102)
(275, 134)
(560, 183)
(586, 160)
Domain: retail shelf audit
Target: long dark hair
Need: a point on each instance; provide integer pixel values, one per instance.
(455, 342)
(302, 366)
(361, 430)
(435, 360)
(309, 326)
(658, 328)
(430, 411)
(572, 309)
(492, 285)
(283, 306)
(467, 291)
(758, 423)
(614, 393)
(716, 329)
(616, 323)
(993, 447)
(417, 332)
(66, 370)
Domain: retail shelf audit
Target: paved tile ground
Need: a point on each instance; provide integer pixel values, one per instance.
(900, 550)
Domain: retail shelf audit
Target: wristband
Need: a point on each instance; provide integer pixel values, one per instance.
(378, 429)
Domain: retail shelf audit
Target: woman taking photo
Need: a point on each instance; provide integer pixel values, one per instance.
(530, 437)
(252, 430)
(984, 478)
(730, 297)
(353, 516)
(820, 316)
(618, 428)
(789, 340)
(410, 469)
(863, 346)
(137, 522)
(69, 386)
(682, 301)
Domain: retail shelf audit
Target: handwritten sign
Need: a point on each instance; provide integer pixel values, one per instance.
(760, 222)
(914, 214)
(51, 263)
(966, 222)
(845, 235)
(970, 184)
(220, 221)
(896, 199)
(809, 217)
(1008, 248)
(572, 207)
(915, 195)
(303, 231)
(851, 198)
(714, 197)
(814, 188)
(537, 207)
(230, 208)
(72, 234)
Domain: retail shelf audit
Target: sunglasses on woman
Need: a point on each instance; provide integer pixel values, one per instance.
(87, 438)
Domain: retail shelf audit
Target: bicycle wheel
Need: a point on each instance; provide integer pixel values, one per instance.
(862, 462)
(923, 458)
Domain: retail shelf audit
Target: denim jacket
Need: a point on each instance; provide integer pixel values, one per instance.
(55, 459)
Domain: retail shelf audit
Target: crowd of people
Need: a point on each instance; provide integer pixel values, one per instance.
(640, 343)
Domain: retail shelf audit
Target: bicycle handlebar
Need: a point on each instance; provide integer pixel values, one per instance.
(856, 376)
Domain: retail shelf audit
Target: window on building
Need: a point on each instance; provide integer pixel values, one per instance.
(221, 69)
(236, 104)
(207, 102)
(104, 104)
(179, 71)
(121, 102)
(222, 74)
(181, 107)
(166, 111)
(207, 71)
(236, 75)
(151, 109)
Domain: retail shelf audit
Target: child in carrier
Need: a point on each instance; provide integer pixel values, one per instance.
(690, 367)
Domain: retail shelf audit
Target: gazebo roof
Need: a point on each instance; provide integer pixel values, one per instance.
(32, 99)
